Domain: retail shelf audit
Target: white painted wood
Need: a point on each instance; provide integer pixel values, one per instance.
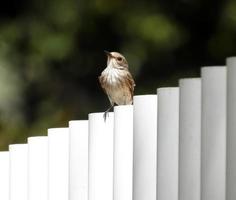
(231, 129)
(18, 171)
(58, 149)
(123, 152)
(213, 133)
(4, 175)
(78, 174)
(101, 156)
(168, 143)
(38, 168)
(190, 139)
(145, 147)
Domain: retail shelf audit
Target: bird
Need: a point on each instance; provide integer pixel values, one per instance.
(116, 81)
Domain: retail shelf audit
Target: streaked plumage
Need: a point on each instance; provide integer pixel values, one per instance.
(117, 81)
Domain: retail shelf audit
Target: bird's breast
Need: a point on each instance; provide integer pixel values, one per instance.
(116, 84)
(113, 76)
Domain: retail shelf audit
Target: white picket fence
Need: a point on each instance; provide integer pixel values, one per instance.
(178, 144)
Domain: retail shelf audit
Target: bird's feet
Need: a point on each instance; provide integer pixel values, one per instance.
(105, 115)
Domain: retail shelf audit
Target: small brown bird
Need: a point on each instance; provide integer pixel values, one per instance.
(116, 81)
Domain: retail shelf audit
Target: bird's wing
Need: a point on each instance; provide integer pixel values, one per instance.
(131, 83)
(101, 81)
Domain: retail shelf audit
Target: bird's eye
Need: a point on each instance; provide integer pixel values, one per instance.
(119, 59)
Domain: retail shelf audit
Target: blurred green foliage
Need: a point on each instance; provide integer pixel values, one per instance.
(51, 53)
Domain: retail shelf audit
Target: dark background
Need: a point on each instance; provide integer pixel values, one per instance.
(51, 53)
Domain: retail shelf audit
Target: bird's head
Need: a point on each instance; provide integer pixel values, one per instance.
(116, 60)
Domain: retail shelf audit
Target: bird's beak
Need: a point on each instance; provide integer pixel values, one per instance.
(108, 53)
